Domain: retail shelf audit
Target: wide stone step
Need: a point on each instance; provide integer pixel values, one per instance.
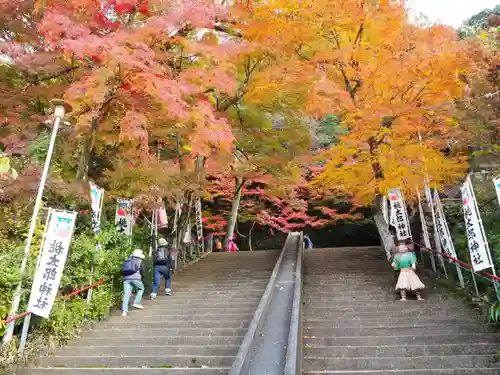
(149, 350)
(173, 324)
(465, 371)
(386, 331)
(124, 371)
(318, 322)
(163, 340)
(410, 305)
(137, 361)
(207, 288)
(319, 291)
(165, 317)
(178, 300)
(198, 311)
(403, 339)
(400, 351)
(325, 314)
(224, 304)
(400, 363)
(130, 333)
(217, 293)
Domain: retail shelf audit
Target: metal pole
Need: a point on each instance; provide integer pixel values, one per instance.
(151, 243)
(61, 108)
(97, 246)
(428, 196)
(437, 240)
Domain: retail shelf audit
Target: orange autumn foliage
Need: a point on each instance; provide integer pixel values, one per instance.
(387, 80)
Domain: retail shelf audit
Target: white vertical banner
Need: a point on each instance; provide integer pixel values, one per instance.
(478, 245)
(124, 216)
(199, 224)
(162, 217)
(178, 211)
(96, 197)
(51, 264)
(496, 181)
(442, 229)
(187, 235)
(385, 209)
(398, 215)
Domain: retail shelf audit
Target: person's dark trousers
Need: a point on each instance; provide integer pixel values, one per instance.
(161, 271)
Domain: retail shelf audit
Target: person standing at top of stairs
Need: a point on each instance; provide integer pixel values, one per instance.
(133, 275)
(405, 262)
(163, 267)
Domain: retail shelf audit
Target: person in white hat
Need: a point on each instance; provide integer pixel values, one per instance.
(133, 272)
(163, 268)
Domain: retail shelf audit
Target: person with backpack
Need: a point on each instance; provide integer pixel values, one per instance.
(133, 272)
(163, 267)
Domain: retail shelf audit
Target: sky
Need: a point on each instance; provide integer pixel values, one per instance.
(450, 12)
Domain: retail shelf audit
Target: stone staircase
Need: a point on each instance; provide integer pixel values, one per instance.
(353, 322)
(195, 331)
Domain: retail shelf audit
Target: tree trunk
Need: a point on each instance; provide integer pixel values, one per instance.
(233, 218)
(250, 236)
(86, 154)
(383, 228)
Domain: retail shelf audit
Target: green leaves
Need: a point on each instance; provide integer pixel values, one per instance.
(494, 313)
(329, 130)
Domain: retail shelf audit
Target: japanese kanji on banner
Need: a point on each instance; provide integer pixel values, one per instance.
(51, 264)
(478, 246)
(496, 181)
(96, 196)
(443, 230)
(398, 215)
(199, 222)
(124, 217)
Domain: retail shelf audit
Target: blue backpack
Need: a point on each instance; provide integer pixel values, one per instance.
(129, 267)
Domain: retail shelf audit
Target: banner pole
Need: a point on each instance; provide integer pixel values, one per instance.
(61, 108)
(97, 246)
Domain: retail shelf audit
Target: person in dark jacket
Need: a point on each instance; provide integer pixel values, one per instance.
(307, 242)
(163, 266)
(134, 282)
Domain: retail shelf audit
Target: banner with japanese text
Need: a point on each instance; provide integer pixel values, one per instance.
(385, 209)
(478, 246)
(398, 215)
(496, 181)
(199, 223)
(442, 229)
(124, 216)
(96, 196)
(51, 263)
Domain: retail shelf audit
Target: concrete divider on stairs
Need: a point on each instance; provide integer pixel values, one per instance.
(196, 331)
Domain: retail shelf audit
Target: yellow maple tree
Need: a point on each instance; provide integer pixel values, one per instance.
(388, 80)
